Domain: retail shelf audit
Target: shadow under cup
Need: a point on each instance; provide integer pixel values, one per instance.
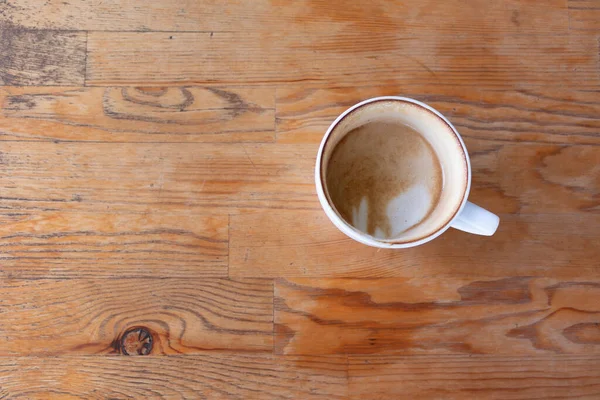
(442, 138)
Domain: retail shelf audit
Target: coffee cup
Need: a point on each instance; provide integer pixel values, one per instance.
(392, 172)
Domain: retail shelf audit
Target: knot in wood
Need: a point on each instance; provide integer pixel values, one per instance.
(136, 341)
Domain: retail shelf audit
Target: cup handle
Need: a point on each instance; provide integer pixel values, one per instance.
(477, 220)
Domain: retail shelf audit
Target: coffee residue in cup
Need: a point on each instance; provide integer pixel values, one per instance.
(384, 178)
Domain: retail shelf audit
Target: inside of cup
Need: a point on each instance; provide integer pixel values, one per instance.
(444, 142)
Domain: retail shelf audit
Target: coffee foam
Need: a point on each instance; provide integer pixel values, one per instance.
(444, 142)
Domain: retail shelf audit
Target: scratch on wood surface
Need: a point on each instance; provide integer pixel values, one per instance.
(248, 156)
(422, 64)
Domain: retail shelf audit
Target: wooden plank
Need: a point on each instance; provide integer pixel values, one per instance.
(317, 54)
(413, 16)
(131, 114)
(100, 244)
(141, 178)
(67, 317)
(434, 315)
(306, 244)
(233, 178)
(546, 114)
(537, 179)
(211, 375)
(584, 15)
(470, 377)
(30, 57)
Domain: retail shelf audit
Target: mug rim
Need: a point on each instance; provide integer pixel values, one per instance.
(360, 236)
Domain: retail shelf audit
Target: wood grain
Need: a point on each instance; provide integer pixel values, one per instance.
(514, 315)
(160, 235)
(235, 178)
(60, 317)
(100, 244)
(307, 244)
(545, 114)
(584, 15)
(139, 178)
(212, 375)
(34, 57)
(470, 377)
(408, 16)
(536, 179)
(132, 114)
(318, 54)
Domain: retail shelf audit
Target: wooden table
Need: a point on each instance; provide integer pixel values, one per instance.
(157, 200)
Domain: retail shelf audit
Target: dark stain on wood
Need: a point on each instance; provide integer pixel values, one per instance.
(41, 57)
(20, 103)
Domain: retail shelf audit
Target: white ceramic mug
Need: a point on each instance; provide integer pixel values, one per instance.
(453, 210)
